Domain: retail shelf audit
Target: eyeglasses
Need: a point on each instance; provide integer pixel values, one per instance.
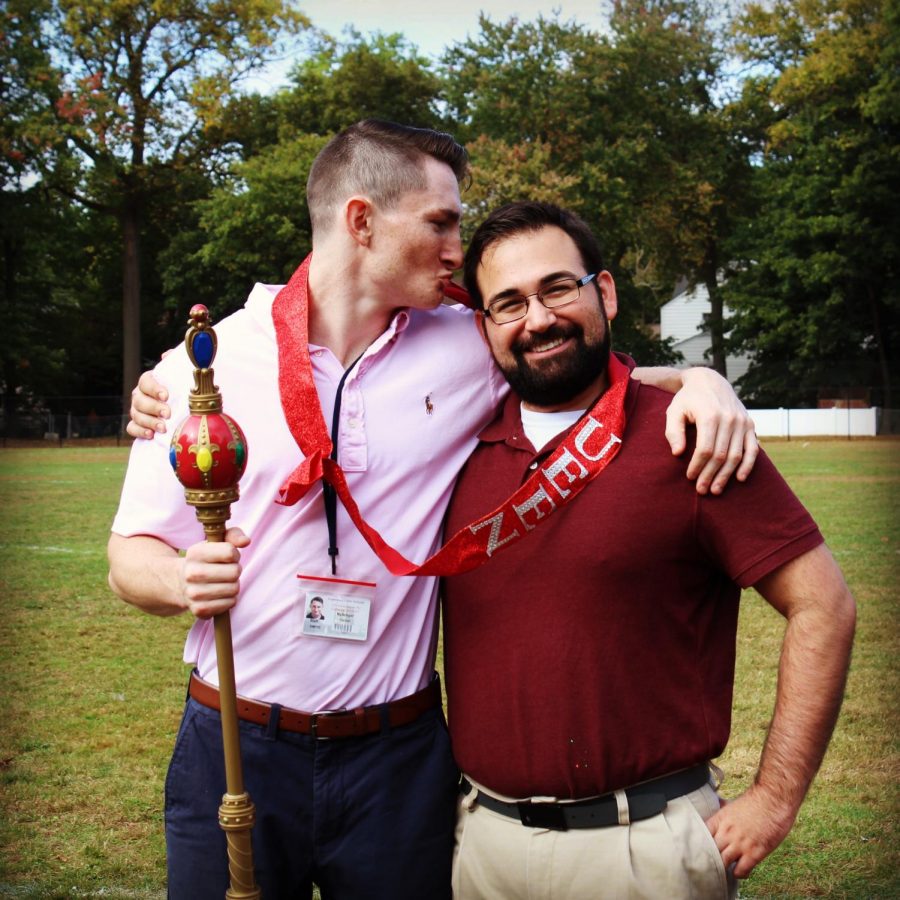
(560, 293)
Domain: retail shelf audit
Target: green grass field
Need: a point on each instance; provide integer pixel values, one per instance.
(92, 689)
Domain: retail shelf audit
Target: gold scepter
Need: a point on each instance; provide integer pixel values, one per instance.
(209, 453)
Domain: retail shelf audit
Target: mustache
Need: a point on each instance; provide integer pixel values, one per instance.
(529, 342)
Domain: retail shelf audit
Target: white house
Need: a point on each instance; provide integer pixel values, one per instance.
(682, 319)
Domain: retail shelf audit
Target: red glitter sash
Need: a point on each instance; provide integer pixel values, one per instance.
(586, 451)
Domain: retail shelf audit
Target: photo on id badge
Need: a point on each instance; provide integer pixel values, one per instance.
(333, 608)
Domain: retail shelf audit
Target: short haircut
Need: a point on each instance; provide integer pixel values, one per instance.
(523, 216)
(380, 159)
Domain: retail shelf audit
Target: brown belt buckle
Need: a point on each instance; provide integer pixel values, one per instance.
(358, 719)
(326, 714)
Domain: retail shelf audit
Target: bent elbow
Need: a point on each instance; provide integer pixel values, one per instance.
(113, 585)
(847, 613)
(113, 549)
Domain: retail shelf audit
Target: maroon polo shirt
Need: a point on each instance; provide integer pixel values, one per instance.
(599, 651)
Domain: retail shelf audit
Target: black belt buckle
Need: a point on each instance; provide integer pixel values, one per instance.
(645, 806)
(542, 815)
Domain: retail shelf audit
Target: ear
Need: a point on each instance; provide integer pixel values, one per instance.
(607, 288)
(481, 318)
(358, 220)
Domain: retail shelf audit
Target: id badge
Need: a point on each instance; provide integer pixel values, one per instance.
(333, 608)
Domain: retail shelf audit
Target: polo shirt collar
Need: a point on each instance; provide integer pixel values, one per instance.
(507, 426)
(262, 296)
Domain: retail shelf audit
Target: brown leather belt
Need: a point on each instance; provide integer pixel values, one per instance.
(343, 723)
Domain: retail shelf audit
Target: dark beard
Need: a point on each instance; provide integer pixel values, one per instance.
(561, 380)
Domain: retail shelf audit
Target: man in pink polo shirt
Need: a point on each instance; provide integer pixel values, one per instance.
(407, 383)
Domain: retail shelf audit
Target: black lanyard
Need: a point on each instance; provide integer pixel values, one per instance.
(328, 492)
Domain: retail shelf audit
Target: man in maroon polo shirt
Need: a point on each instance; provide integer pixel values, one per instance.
(585, 734)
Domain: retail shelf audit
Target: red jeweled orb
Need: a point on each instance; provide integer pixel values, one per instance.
(208, 452)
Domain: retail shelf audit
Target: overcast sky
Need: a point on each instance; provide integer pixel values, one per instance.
(430, 26)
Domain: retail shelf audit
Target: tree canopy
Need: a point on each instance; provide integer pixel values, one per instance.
(817, 295)
(108, 102)
(753, 151)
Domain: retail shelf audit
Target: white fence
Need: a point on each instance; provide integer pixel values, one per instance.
(816, 422)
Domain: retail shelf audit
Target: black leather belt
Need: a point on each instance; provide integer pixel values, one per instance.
(644, 800)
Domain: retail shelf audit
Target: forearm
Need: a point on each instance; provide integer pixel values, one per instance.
(811, 678)
(145, 572)
(672, 380)
(811, 594)
(664, 377)
(821, 617)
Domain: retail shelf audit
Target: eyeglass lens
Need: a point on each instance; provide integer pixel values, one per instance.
(508, 309)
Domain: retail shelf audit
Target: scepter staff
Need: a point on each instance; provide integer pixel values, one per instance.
(209, 453)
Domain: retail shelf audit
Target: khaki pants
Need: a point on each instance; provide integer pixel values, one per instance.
(666, 857)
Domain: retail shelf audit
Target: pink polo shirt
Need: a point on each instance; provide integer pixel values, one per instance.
(410, 414)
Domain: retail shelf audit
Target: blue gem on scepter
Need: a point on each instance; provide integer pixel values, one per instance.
(203, 350)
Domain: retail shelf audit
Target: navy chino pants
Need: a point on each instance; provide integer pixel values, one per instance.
(369, 817)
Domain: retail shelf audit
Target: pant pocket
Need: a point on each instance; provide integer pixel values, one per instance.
(702, 859)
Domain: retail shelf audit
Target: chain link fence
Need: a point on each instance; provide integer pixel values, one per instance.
(65, 420)
(59, 420)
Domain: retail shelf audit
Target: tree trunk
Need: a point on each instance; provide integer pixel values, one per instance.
(131, 300)
(884, 368)
(10, 380)
(716, 324)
